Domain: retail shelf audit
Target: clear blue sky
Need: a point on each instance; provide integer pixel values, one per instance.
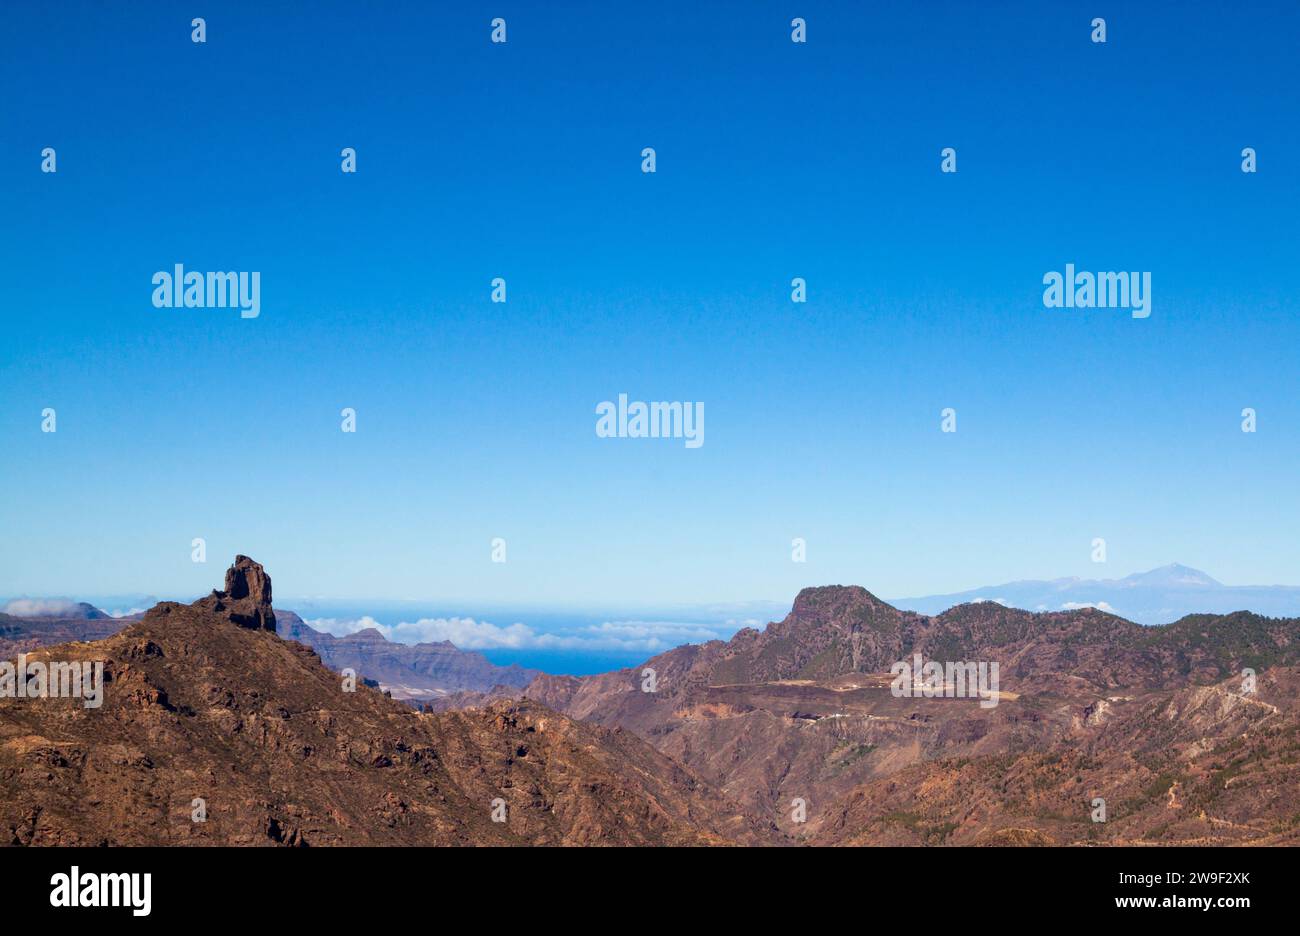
(522, 160)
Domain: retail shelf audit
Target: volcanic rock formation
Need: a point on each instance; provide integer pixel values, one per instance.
(246, 599)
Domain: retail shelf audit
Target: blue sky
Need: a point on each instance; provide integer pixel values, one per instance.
(476, 420)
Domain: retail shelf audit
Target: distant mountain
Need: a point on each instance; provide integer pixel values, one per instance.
(54, 608)
(204, 703)
(413, 672)
(1156, 597)
(20, 634)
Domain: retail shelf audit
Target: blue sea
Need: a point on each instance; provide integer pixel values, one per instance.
(594, 641)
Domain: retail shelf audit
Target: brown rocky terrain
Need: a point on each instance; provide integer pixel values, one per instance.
(206, 701)
(802, 710)
(1200, 765)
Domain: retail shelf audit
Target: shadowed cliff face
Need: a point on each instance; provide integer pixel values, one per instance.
(246, 599)
(204, 702)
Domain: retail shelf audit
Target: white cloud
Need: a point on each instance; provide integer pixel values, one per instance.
(466, 633)
(39, 607)
(1077, 605)
(653, 635)
(342, 627)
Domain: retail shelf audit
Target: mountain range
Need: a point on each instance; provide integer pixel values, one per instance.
(794, 734)
(1156, 597)
(1093, 706)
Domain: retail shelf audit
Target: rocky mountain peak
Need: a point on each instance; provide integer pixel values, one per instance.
(1172, 575)
(367, 635)
(828, 602)
(247, 579)
(246, 599)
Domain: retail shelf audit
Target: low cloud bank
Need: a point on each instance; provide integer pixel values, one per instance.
(39, 607)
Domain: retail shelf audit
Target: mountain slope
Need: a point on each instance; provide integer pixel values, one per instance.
(1201, 765)
(803, 710)
(205, 701)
